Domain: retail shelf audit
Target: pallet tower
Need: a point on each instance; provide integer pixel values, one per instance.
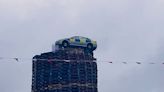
(68, 70)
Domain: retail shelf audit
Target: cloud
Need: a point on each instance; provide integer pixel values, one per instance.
(125, 30)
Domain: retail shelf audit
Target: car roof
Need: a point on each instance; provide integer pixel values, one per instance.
(80, 37)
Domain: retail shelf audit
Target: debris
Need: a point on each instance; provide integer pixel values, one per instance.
(16, 59)
(138, 62)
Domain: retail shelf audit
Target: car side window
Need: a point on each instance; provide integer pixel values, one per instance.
(77, 40)
(88, 40)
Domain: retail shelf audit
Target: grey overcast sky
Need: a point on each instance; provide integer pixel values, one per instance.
(125, 30)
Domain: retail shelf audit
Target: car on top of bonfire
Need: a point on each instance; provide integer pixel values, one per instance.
(77, 41)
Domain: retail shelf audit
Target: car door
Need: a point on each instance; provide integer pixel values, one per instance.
(77, 41)
(82, 41)
(72, 40)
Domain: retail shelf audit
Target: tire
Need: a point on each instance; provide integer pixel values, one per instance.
(90, 47)
(65, 44)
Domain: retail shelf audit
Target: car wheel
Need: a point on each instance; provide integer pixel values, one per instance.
(90, 46)
(65, 44)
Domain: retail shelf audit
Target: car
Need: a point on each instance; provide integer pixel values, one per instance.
(77, 41)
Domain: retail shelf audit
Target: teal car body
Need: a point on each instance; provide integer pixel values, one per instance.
(77, 41)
